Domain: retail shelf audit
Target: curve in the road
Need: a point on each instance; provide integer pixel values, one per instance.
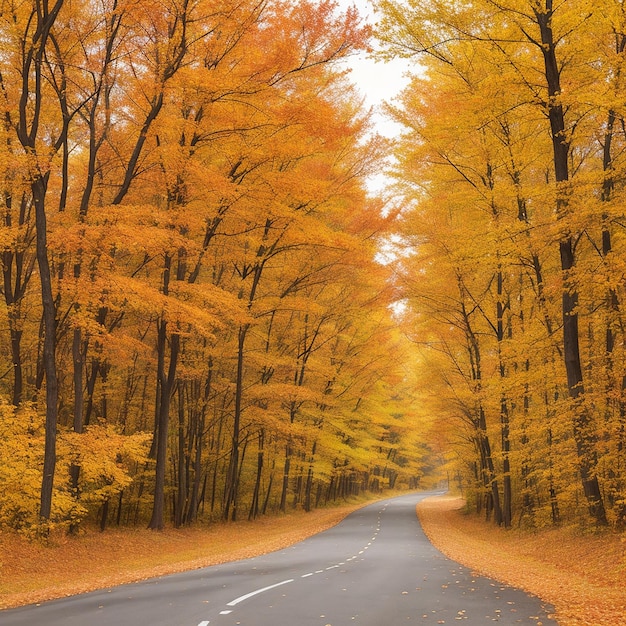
(376, 568)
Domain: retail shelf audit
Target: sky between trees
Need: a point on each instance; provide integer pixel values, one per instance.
(195, 321)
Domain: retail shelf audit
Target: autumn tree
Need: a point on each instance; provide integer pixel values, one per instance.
(528, 152)
(186, 219)
(24, 86)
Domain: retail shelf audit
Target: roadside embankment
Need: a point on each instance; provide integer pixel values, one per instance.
(30, 572)
(582, 575)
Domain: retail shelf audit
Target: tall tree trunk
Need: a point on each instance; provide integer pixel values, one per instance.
(182, 483)
(77, 358)
(254, 506)
(49, 349)
(17, 270)
(166, 383)
(613, 304)
(507, 497)
(309, 479)
(231, 487)
(232, 477)
(192, 513)
(43, 17)
(285, 483)
(582, 425)
(487, 468)
(166, 389)
(268, 492)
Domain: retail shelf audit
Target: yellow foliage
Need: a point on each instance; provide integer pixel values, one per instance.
(212, 256)
(106, 458)
(21, 456)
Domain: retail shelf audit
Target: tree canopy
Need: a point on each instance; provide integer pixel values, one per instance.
(510, 174)
(195, 324)
(207, 315)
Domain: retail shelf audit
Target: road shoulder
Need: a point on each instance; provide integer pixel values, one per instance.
(581, 575)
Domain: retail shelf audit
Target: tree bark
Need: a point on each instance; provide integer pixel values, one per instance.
(507, 497)
(30, 105)
(49, 349)
(232, 476)
(560, 144)
(254, 507)
(166, 385)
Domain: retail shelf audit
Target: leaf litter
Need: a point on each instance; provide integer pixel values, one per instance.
(580, 573)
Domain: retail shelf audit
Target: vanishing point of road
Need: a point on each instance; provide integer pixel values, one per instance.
(376, 568)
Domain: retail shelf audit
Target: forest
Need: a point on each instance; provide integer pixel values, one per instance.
(208, 315)
(195, 324)
(511, 170)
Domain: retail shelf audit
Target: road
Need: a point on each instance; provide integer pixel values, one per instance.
(376, 568)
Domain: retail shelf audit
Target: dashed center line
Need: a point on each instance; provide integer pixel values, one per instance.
(290, 580)
(256, 592)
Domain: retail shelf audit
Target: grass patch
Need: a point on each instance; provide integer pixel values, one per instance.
(582, 575)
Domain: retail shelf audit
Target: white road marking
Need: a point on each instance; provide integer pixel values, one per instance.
(285, 582)
(254, 593)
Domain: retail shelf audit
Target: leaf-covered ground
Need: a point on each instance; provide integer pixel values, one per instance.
(30, 572)
(582, 575)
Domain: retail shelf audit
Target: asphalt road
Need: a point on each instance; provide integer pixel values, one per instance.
(376, 568)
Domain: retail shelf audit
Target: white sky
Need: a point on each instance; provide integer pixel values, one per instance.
(377, 81)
